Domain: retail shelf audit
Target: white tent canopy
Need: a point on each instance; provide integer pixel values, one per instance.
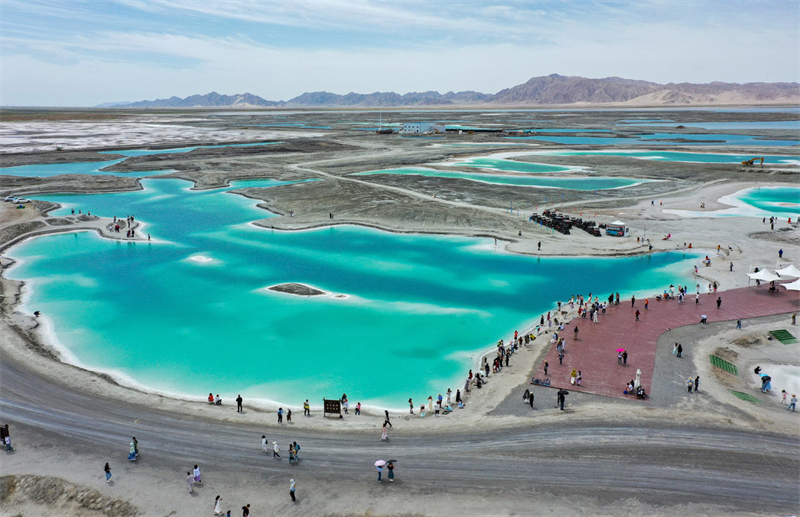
(764, 275)
(792, 286)
(789, 272)
(618, 223)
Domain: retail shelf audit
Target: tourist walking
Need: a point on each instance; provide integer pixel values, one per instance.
(132, 452)
(292, 489)
(380, 471)
(783, 397)
(218, 506)
(560, 399)
(264, 443)
(637, 314)
(276, 451)
(738, 324)
(449, 393)
(239, 404)
(197, 474)
(545, 367)
(719, 301)
(619, 357)
(625, 358)
(633, 301)
(689, 384)
(384, 433)
(246, 510)
(680, 350)
(190, 482)
(280, 415)
(107, 470)
(576, 332)
(358, 408)
(306, 408)
(792, 405)
(390, 468)
(696, 383)
(386, 412)
(411, 406)
(561, 358)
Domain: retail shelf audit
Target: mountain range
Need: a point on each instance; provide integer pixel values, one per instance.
(553, 89)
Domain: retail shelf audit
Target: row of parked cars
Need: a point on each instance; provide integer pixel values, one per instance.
(16, 200)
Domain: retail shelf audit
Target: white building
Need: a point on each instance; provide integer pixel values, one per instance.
(421, 127)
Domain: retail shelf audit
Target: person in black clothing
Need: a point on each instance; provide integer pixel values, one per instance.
(545, 367)
(239, 404)
(680, 350)
(530, 399)
(719, 301)
(386, 412)
(246, 511)
(625, 357)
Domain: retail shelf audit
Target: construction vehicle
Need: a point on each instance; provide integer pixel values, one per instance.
(751, 161)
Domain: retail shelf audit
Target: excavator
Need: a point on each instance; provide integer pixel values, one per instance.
(751, 161)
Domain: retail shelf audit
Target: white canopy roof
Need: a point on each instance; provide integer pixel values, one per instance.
(764, 275)
(792, 286)
(789, 271)
(618, 223)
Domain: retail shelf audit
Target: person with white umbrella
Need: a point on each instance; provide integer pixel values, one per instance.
(379, 465)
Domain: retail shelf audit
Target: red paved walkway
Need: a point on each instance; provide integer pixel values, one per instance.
(594, 352)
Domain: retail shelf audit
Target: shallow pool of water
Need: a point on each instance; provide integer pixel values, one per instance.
(189, 313)
(761, 202)
(663, 139)
(578, 183)
(677, 156)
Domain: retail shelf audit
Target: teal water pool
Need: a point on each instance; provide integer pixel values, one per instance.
(677, 156)
(663, 139)
(94, 168)
(504, 164)
(761, 202)
(579, 183)
(188, 313)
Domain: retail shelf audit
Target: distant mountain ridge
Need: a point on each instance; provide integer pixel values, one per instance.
(553, 89)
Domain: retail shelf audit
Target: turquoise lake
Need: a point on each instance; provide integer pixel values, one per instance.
(502, 164)
(581, 183)
(676, 156)
(188, 313)
(662, 139)
(94, 168)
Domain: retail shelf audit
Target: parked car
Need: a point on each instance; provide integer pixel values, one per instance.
(10, 198)
(22, 200)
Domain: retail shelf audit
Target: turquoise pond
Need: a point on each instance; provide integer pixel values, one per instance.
(188, 313)
(782, 124)
(662, 139)
(677, 156)
(94, 168)
(779, 201)
(502, 164)
(580, 183)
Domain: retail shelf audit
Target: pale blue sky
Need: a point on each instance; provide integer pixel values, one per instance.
(78, 53)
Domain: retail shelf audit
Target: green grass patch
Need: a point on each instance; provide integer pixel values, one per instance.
(746, 397)
(784, 336)
(722, 364)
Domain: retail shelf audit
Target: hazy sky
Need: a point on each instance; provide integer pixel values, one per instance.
(80, 53)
